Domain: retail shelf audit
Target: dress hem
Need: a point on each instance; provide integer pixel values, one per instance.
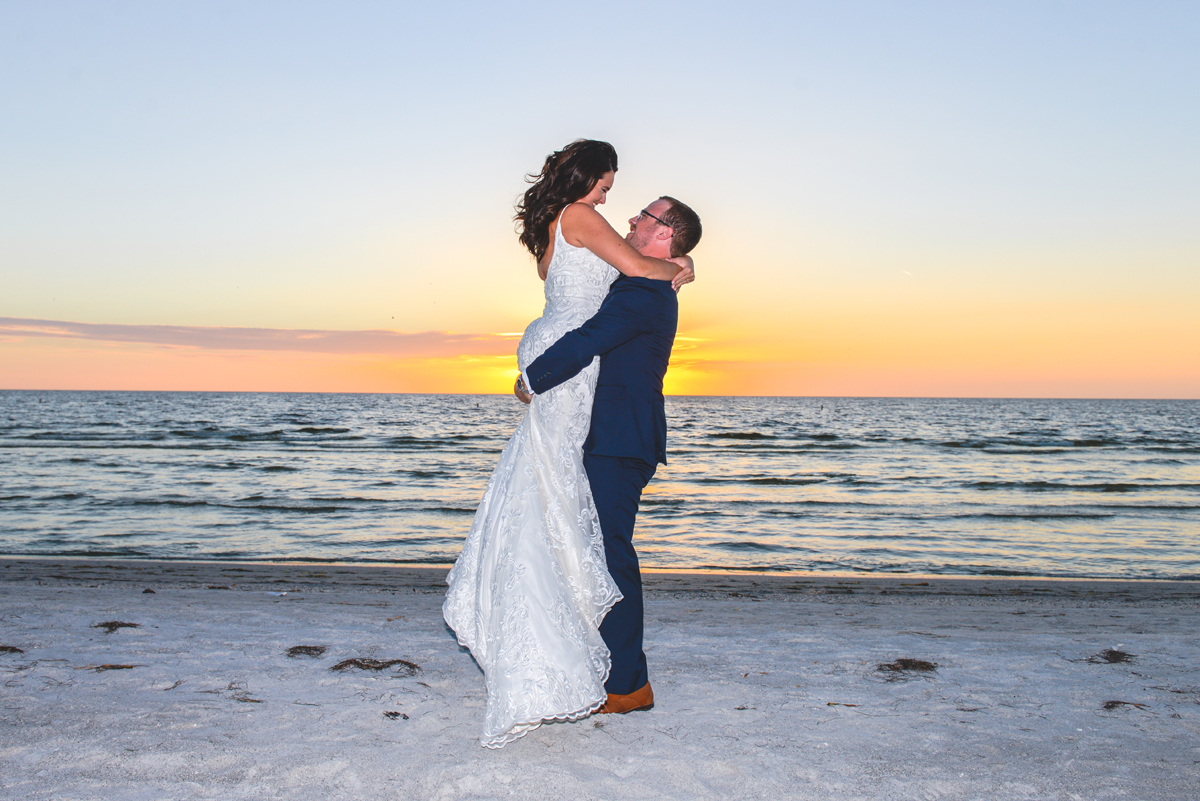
(519, 730)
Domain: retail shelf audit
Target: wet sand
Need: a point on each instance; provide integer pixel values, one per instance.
(767, 686)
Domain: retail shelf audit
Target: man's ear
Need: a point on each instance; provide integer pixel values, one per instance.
(664, 232)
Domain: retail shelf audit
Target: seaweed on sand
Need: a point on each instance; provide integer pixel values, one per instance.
(112, 625)
(245, 698)
(102, 668)
(305, 650)
(405, 668)
(1111, 656)
(1109, 706)
(240, 693)
(905, 667)
(10, 649)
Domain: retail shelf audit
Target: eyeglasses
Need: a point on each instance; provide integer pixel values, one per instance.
(660, 220)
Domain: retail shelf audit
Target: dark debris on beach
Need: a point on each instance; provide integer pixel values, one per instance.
(112, 625)
(1109, 706)
(103, 668)
(905, 667)
(10, 649)
(1111, 657)
(246, 698)
(305, 650)
(238, 692)
(405, 668)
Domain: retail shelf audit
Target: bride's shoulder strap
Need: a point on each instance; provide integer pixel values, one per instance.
(558, 231)
(563, 213)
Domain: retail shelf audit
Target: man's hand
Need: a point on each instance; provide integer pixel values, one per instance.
(519, 391)
(687, 273)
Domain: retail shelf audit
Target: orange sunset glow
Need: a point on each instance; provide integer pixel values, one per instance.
(1060, 358)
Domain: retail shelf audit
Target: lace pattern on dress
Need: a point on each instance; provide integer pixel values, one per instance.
(531, 586)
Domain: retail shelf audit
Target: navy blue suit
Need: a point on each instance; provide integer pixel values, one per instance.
(632, 333)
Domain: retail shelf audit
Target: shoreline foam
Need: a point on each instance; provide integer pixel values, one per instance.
(22, 568)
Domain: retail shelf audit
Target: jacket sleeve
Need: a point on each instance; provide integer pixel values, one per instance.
(625, 313)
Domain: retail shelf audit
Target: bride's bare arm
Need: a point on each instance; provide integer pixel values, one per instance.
(585, 225)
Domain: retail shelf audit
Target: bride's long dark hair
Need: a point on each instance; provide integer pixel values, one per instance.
(568, 175)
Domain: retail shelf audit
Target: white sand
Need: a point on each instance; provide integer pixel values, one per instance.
(766, 687)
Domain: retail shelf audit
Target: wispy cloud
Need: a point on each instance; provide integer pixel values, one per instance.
(377, 342)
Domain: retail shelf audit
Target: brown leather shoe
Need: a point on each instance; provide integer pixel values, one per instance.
(637, 700)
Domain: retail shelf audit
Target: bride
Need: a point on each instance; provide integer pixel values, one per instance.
(530, 588)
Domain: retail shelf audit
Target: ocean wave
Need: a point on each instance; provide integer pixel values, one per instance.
(258, 436)
(93, 553)
(1152, 507)
(1046, 486)
(772, 447)
(1039, 515)
(347, 499)
(208, 432)
(1029, 444)
(781, 481)
(418, 442)
(740, 435)
(749, 545)
(85, 436)
(287, 508)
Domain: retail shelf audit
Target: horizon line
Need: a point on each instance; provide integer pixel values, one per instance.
(666, 395)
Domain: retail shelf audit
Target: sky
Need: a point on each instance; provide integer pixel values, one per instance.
(899, 199)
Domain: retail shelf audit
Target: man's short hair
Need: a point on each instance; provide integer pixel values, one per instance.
(686, 225)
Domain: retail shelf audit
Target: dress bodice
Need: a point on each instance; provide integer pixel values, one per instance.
(577, 281)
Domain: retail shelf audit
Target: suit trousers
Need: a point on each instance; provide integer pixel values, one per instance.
(617, 483)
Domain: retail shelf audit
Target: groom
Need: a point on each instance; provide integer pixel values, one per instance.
(632, 333)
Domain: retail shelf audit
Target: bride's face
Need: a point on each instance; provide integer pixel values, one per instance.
(596, 196)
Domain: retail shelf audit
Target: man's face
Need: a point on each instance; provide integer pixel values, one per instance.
(643, 228)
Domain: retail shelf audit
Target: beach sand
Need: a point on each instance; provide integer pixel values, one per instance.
(766, 687)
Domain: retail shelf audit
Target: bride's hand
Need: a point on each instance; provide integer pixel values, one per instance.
(519, 391)
(686, 275)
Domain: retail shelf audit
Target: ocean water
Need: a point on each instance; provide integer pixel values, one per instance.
(957, 487)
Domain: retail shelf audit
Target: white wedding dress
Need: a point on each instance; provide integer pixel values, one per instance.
(531, 586)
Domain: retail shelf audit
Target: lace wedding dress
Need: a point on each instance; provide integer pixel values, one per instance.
(531, 586)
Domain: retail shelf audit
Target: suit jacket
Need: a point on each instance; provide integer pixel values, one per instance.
(632, 333)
